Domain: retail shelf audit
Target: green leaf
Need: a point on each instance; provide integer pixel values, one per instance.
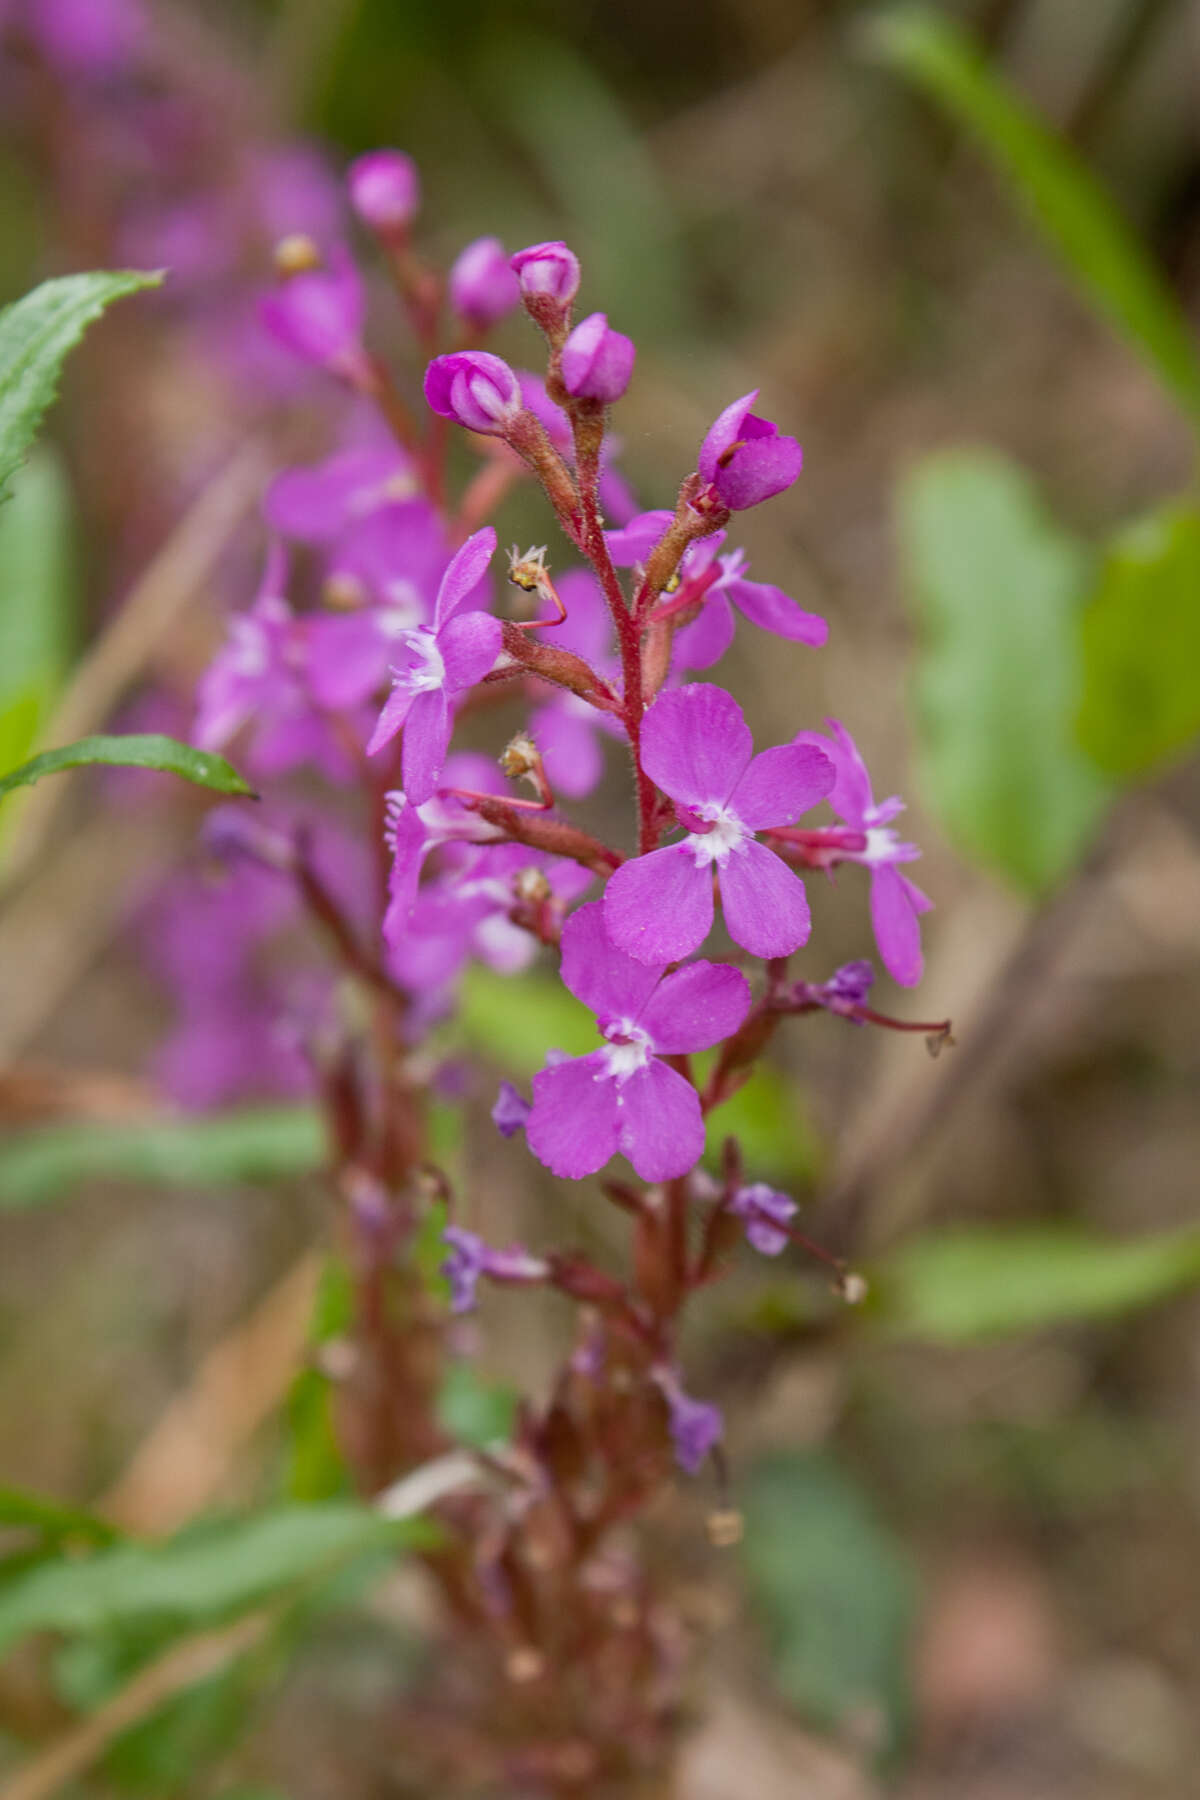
(140, 750)
(769, 1118)
(834, 1593)
(989, 1281)
(36, 333)
(513, 1021)
(37, 603)
(210, 1573)
(255, 1145)
(51, 1519)
(996, 589)
(473, 1410)
(1141, 646)
(1072, 210)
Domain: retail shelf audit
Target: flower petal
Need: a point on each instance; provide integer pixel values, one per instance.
(894, 921)
(696, 743)
(465, 570)
(347, 658)
(659, 907)
(782, 783)
(426, 739)
(705, 641)
(725, 430)
(569, 746)
(695, 1007)
(766, 908)
(396, 709)
(659, 1124)
(599, 974)
(573, 1125)
(469, 645)
(772, 610)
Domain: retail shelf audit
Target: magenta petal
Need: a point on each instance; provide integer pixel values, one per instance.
(599, 974)
(705, 641)
(766, 908)
(695, 1007)
(634, 542)
(894, 920)
(851, 798)
(395, 710)
(696, 743)
(469, 645)
(725, 430)
(659, 907)
(465, 570)
(347, 658)
(573, 1125)
(782, 783)
(411, 841)
(773, 610)
(426, 740)
(761, 468)
(659, 1125)
(570, 750)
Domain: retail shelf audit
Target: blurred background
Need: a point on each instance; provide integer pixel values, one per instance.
(971, 1565)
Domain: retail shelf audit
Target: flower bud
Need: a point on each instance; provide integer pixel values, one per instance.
(482, 285)
(549, 278)
(385, 191)
(597, 362)
(474, 389)
(745, 460)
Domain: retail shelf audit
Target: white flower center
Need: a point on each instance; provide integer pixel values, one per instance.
(627, 1051)
(428, 670)
(880, 846)
(727, 837)
(248, 653)
(401, 609)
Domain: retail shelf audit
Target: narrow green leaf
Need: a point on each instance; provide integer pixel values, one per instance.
(833, 1590)
(51, 1519)
(210, 1573)
(252, 1145)
(140, 750)
(996, 588)
(36, 332)
(37, 603)
(1066, 202)
(1141, 646)
(979, 1281)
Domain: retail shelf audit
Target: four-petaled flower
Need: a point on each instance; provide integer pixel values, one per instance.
(439, 660)
(696, 746)
(623, 1097)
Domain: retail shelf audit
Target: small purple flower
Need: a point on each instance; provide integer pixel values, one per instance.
(316, 504)
(318, 314)
(695, 1426)
(440, 660)
(385, 191)
(482, 285)
(745, 459)
(896, 902)
(848, 986)
(470, 1257)
(764, 1209)
(510, 1111)
(597, 362)
(475, 389)
(623, 1097)
(547, 272)
(696, 746)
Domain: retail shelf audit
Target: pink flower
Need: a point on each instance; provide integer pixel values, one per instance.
(439, 661)
(475, 389)
(318, 314)
(696, 746)
(597, 362)
(623, 1097)
(482, 285)
(745, 459)
(765, 1210)
(896, 902)
(696, 1426)
(385, 190)
(470, 1257)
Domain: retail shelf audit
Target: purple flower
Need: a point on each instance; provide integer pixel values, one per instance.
(439, 660)
(764, 1210)
(482, 285)
(565, 728)
(475, 389)
(696, 746)
(547, 272)
(318, 314)
(317, 504)
(510, 1111)
(385, 190)
(896, 902)
(847, 986)
(695, 1426)
(470, 1257)
(597, 362)
(623, 1097)
(93, 39)
(745, 459)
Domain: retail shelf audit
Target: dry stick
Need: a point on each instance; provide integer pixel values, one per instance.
(123, 649)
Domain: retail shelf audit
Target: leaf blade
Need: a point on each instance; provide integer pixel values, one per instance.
(138, 750)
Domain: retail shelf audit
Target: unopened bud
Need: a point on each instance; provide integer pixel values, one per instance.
(476, 390)
(482, 285)
(296, 254)
(385, 190)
